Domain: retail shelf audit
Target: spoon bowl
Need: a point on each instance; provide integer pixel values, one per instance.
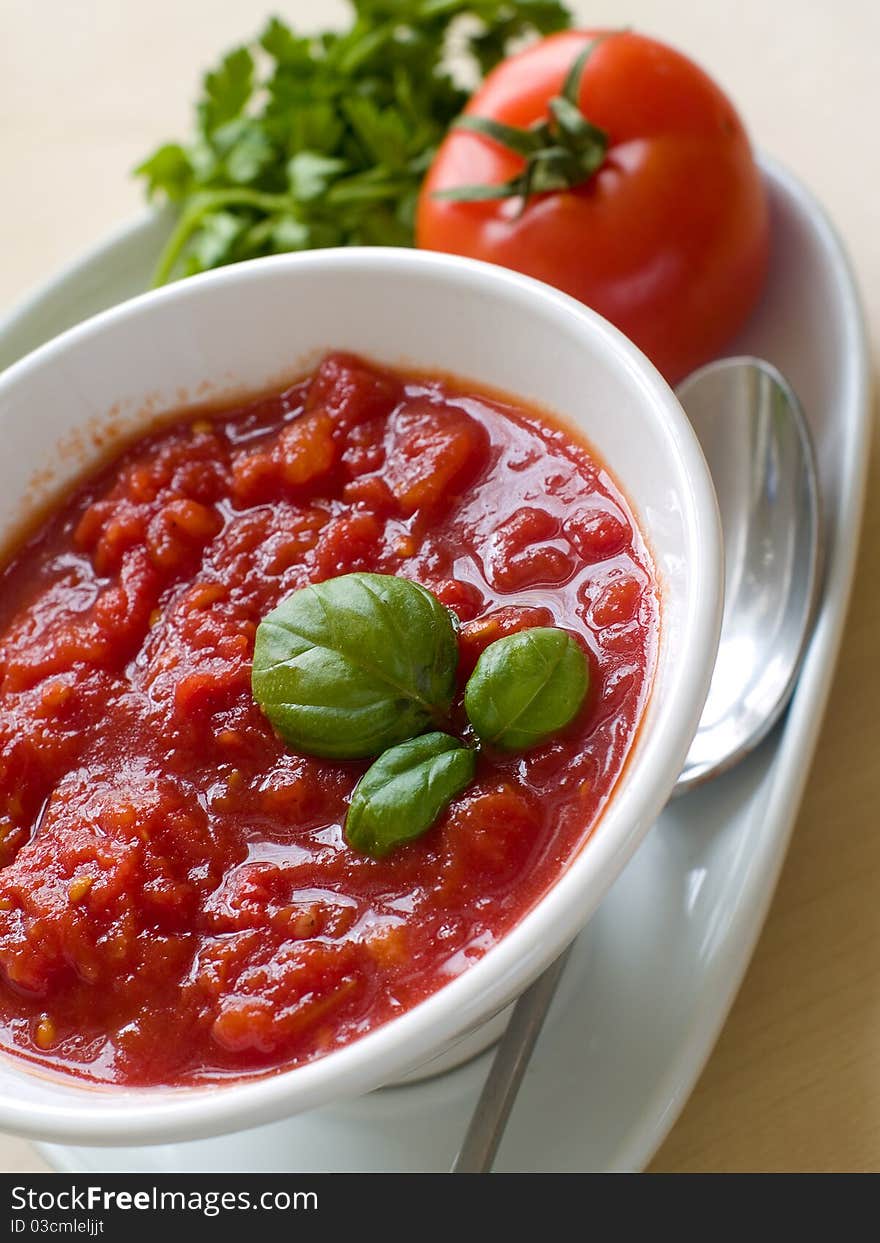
(756, 441)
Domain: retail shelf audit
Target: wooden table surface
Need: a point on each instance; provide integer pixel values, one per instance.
(87, 89)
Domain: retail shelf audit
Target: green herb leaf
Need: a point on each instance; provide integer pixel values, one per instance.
(348, 667)
(219, 231)
(279, 41)
(288, 234)
(227, 89)
(402, 794)
(526, 687)
(245, 150)
(309, 174)
(371, 103)
(168, 170)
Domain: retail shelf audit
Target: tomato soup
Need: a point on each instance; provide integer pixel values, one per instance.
(178, 902)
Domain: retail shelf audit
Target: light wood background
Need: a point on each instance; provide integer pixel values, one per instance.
(87, 87)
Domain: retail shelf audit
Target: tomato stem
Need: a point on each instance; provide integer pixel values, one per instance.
(560, 152)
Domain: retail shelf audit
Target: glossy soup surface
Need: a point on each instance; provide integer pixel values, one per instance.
(177, 900)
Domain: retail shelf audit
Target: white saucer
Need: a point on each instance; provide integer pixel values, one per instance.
(652, 978)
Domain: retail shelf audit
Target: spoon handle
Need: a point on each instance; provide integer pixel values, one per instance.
(505, 1075)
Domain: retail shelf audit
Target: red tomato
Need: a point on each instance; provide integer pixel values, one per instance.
(668, 238)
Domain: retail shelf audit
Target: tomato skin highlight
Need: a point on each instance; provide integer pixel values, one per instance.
(669, 239)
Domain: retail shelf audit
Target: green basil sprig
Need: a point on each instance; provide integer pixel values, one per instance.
(526, 687)
(401, 795)
(345, 668)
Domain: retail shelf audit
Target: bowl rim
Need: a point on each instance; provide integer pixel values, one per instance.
(108, 1114)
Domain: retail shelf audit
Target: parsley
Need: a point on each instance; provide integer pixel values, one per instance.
(305, 141)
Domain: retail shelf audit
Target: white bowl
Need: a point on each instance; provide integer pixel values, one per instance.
(244, 327)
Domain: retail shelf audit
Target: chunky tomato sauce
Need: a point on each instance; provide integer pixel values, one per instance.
(177, 900)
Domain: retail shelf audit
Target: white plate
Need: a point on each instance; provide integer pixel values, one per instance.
(652, 978)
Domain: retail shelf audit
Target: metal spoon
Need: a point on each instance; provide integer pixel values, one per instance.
(755, 438)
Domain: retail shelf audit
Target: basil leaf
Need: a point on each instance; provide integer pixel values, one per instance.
(526, 687)
(348, 667)
(402, 794)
